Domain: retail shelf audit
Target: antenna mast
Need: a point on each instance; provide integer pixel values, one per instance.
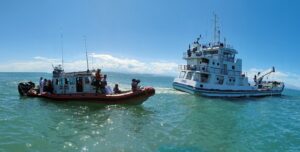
(217, 32)
(62, 50)
(86, 53)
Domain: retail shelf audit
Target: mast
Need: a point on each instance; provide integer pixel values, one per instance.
(217, 31)
(86, 54)
(62, 50)
(215, 27)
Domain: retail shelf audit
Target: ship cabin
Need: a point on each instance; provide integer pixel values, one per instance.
(73, 82)
(212, 63)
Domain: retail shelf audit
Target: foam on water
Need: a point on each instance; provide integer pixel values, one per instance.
(162, 90)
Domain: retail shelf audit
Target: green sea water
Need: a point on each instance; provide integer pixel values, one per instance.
(170, 121)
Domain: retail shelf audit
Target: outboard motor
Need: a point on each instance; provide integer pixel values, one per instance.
(24, 87)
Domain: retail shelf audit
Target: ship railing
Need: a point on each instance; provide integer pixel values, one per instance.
(207, 69)
(186, 55)
(191, 55)
(201, 68)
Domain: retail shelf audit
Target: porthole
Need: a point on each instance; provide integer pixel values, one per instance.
(201, 86)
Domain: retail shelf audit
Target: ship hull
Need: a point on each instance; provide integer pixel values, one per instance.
(225, 93)
(129, 97)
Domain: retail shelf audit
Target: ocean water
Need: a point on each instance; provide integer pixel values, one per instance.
(170, 121)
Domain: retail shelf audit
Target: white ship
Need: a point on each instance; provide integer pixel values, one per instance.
(213, 70)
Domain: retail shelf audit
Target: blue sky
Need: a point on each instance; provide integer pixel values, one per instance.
(265, 32)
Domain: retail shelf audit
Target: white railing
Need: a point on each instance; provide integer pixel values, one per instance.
(207, 69)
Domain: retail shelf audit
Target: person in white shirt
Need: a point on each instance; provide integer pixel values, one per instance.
(41, 85)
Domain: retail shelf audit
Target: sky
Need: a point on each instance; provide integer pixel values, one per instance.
(146, 36)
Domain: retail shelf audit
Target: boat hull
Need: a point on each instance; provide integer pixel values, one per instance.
(133, 98)
(225, 93)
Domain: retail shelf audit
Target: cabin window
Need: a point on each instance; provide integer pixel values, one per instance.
(66, 81)
(56, 81)
(220, 80)
(211, 52)
(182, 74)
(189, 75)
(71, 81)
(213, 63)
(87, 80)
(218, 64)
(204, 78)
(197, 77)
(233, 67)
(61, 81)
(205, 60)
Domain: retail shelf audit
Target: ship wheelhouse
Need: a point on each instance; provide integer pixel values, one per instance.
(73, 82)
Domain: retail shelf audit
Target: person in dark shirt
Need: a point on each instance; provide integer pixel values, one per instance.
(134, 85)
(98, 79)
(116, 89)
(49, 87)
(103, 84)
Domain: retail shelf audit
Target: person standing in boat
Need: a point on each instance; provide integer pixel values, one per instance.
(98, 79)
(134, 85)
(45, 85)
(103, 84)
(41, 85)
(49, 87)
(116, 89)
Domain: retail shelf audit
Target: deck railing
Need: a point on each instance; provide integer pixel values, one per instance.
(208, 69)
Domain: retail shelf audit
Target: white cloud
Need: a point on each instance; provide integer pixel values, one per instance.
(39, 58)
(131, 65)
(104, 61)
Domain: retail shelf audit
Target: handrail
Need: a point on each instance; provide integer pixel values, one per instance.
(208, 69)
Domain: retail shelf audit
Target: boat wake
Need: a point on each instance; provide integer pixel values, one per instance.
(162, 90)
